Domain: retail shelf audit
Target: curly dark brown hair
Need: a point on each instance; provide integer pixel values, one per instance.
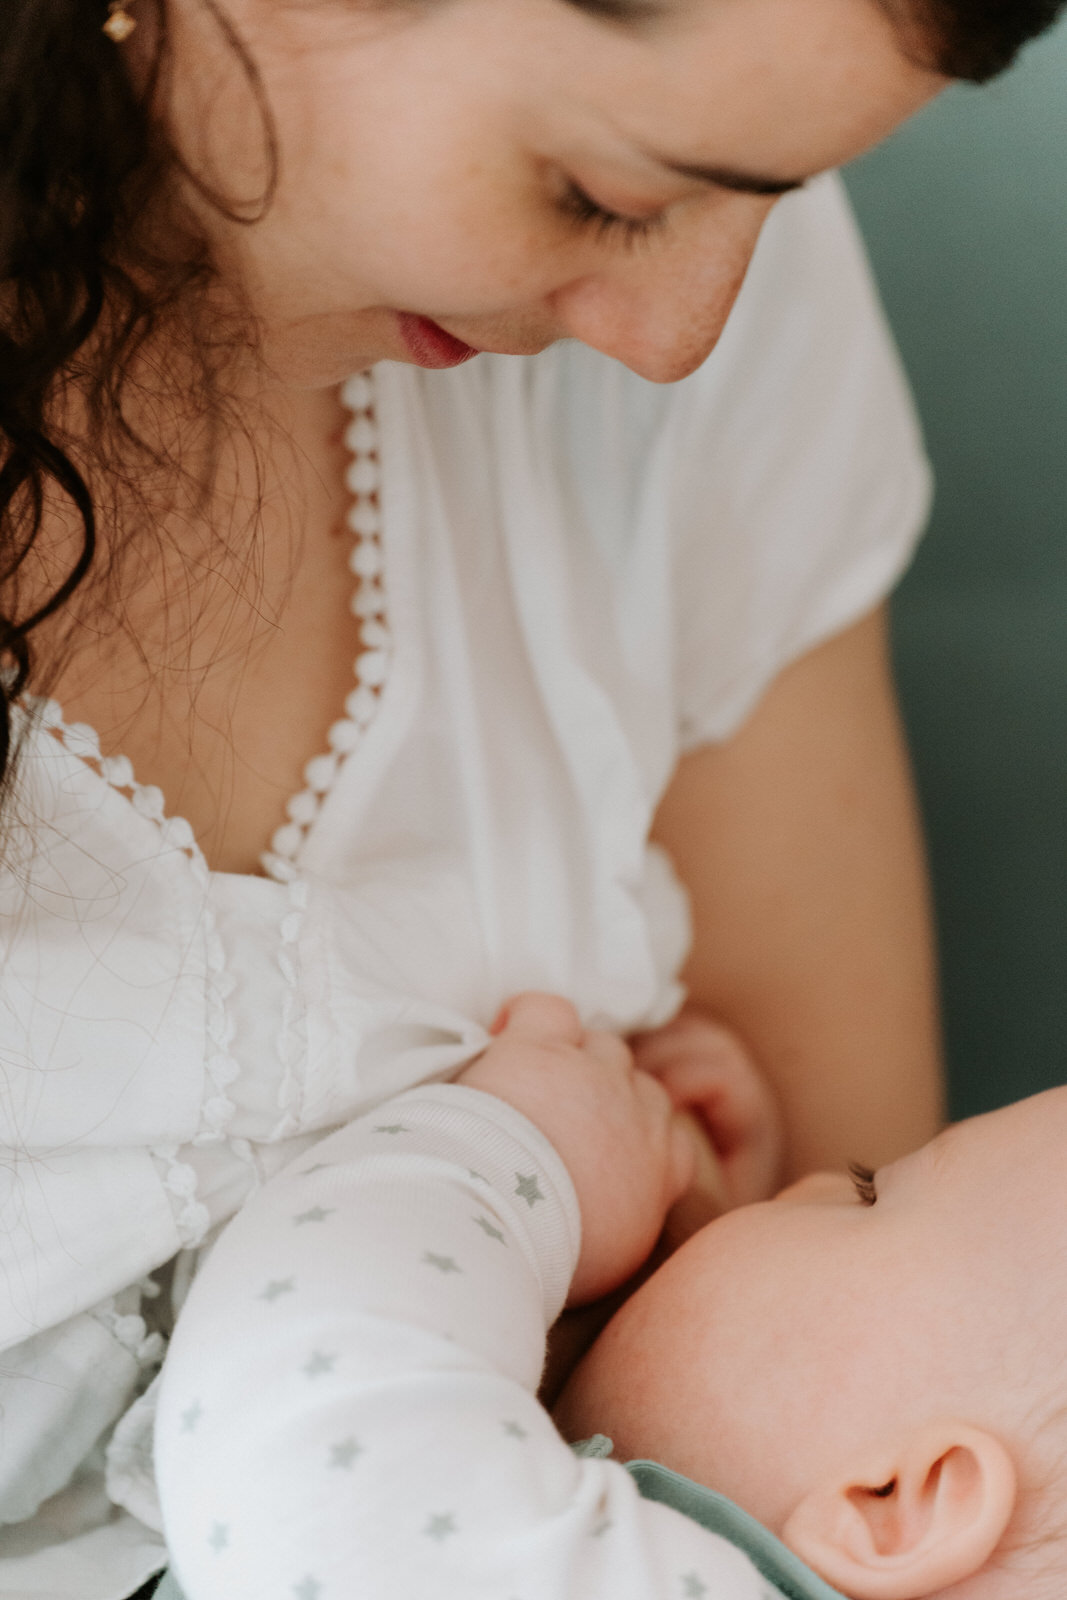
(975, 39)
(83, 290)
(86, 176)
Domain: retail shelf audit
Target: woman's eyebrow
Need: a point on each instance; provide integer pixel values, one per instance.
(632, 11)
(730, 177)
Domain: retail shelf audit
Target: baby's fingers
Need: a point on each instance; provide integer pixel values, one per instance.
(738, 1108)
(743, 1120)
(539, 1018)
(704, 1197)
(690, 1035)
(609, 1049)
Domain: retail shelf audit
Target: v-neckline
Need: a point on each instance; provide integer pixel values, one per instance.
(280, 863)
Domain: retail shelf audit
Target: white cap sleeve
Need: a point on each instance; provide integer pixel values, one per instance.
(791, 467)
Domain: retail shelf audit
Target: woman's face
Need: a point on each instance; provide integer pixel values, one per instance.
(446, 159)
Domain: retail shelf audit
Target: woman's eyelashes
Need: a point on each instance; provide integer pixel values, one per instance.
(863, 1178)
(581, 208)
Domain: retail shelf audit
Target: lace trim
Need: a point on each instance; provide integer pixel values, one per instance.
(179, 1178)
(292, 1035)
(130, 1331)
(222, 1069)
(367, 565)
(81, 741)
(192, 1217)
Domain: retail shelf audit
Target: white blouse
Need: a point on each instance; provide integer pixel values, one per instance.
(584, 576)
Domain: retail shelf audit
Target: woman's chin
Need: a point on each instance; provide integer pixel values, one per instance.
(322, 351)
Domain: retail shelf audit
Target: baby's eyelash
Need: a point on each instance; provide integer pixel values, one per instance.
(863, 1178)
(583, 209)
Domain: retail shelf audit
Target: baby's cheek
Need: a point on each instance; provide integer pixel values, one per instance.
(616, 1389)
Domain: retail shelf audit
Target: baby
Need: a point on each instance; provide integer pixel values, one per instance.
(870, 1367)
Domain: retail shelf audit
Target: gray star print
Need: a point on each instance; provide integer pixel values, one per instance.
(315, 1214)
(191, 1416)
(392, 1127)
(344, 1453)
(309, 1588)
(440, 1526)
(692, 1586)
(527, 1189)
(477, 1176)
(601, 1527)
(515, 1430)
(488, 1229)
(442, 1263)
(219, 1537)
(276, 1288)
(318, 1362)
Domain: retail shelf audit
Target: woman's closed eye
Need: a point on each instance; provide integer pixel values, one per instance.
(863, 1178)
(582, 209)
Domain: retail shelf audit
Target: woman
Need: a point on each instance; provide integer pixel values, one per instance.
(235, 917)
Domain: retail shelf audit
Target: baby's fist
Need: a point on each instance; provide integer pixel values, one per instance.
(628, 1154)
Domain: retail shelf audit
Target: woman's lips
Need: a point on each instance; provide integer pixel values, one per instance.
(429, 345)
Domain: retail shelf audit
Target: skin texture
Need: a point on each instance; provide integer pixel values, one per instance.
(767, 1360)
(801, 848)
(426, 150)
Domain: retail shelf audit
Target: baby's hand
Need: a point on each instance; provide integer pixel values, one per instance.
(707, 1070)
(629, 1155)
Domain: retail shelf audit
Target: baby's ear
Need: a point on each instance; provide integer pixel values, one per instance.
(918, 1519)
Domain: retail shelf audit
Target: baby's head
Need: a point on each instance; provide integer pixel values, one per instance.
(884, 1384)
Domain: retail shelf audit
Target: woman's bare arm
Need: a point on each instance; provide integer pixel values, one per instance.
(800, 845)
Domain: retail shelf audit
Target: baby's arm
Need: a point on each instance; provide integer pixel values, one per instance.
(348, 1405)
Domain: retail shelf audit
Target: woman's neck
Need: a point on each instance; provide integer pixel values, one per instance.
(214, 642)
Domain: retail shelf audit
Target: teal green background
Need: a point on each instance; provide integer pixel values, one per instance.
(965, 215)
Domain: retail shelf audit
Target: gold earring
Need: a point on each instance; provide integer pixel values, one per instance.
(119, 24)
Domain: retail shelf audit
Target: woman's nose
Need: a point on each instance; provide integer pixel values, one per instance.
(660, 310)
(661, 337)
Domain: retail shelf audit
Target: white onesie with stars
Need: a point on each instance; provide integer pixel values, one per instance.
(348, 1407)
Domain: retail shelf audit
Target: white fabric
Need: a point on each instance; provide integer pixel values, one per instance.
(586, 574)
(367, 1423)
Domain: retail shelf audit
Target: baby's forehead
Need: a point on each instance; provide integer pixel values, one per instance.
(1031, 1130)
(1005, 1174)
(980, 1204)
